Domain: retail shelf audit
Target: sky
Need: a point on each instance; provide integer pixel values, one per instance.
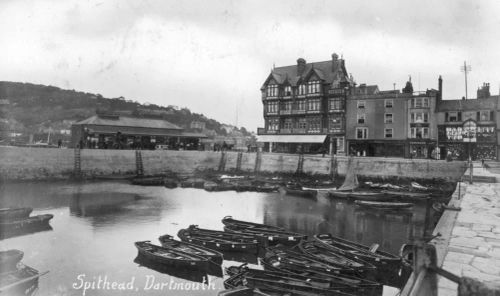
(213, 56)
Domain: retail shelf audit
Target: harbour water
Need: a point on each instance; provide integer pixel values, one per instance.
(95, 224)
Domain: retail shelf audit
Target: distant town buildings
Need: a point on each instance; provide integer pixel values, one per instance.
(318, 108)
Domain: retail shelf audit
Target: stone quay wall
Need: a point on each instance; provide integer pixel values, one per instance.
(21, 163)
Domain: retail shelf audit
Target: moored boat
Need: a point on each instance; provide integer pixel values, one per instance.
(339, 194)
(406, 195)
(300, 192)
(333, 257)
(20, 281)
(219, 240)
(297, 284)
(384, 205)
(10, 258)
(229, 221)
(167, 241)
(371, 254)
(369, 196)
(300, 261)
(33, 221)
(15, 213)
(149, 181)
(268, 237)
(169, 256)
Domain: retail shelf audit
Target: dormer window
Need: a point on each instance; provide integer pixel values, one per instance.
(302, 89)
(272, 90)
(313, 87)
(288, 90)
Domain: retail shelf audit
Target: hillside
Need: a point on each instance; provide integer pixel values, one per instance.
(31, 108)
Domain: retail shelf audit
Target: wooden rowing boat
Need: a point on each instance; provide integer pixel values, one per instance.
(347, 283)
(406, 195)
(167, 241)
(267, 234)
(169, 256)
(33, 221)
(278, 281)
(219, 240)
(229, 221)
(334, 257)
(300, 192)
(20, 281)
(351, 249)
(9, 259)
(274, 287)
(242, 291)
(302, 261)
(369, 196)
(268, 237)
(15, 213)
(384, 205)
(339, 194)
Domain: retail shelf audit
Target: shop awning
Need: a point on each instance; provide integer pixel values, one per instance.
(292, 138)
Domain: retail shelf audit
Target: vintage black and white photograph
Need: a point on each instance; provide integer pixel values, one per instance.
(249, 147)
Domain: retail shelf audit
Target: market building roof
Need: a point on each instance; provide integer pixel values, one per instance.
(128, 121)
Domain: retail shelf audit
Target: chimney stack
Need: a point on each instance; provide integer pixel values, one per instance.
(301, 66)
(335, 61)
(440, 88)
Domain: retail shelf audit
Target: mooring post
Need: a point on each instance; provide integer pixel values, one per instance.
(426, 280)
(471, 173)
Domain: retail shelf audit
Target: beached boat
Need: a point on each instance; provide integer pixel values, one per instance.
(369, 254)
(10, 258)
(384, 205)
(15, 213)
(266, 188)
(167, 241)
(334, 257)
(300, 192)
(219, 240)
(33, 221)
(271, 281)
(169, 256)
(301, 261)
(20, 281)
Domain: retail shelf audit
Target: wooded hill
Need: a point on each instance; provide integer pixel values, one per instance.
(31, 107)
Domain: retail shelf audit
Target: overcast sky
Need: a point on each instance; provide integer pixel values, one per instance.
(213, 56)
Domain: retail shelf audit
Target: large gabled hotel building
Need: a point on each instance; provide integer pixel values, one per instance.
(304, 107)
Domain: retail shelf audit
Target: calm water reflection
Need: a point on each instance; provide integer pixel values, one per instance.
(95, 225)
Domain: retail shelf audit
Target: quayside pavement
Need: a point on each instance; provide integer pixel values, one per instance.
(474, 244)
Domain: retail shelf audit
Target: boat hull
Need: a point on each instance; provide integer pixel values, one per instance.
(211, 255)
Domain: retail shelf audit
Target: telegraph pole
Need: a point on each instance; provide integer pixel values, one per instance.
(465, 68)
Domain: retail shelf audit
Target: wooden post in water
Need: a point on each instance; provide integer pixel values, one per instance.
(333, 167)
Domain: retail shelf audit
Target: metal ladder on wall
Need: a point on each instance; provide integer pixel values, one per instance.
(139, 167)
(77, 166)
(300, 165)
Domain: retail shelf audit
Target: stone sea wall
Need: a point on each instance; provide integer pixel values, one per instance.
(20, 163)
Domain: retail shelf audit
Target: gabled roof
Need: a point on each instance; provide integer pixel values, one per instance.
(469, 105)
(327, 71)
(129, 121)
